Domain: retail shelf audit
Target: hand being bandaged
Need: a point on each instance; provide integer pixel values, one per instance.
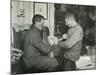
(53, 40)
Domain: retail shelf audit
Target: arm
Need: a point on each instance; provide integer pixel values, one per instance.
(38, 43)
(73, 39)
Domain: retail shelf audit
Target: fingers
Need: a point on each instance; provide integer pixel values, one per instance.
(15, 50)
(15, 55)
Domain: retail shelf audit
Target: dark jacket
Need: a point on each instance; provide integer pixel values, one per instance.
(33, 44)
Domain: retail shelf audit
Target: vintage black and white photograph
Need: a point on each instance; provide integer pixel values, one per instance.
(52, 37)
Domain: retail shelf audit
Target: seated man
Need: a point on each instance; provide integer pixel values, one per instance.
(35, 50)
(72, 45)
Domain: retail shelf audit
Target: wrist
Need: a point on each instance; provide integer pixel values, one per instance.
(51, 54)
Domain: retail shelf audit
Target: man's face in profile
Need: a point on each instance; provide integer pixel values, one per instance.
(40, 24)
(69, 20)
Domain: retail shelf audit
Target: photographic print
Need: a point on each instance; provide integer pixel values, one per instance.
(52, 37)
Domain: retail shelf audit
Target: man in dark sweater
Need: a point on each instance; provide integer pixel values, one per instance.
(35, 50)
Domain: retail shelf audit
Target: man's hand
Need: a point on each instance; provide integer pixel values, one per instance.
(53, 40)
(61, 44)
(15, 55)
(65, 36)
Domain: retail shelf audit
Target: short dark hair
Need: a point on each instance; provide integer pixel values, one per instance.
(37, 18)
(68, 14)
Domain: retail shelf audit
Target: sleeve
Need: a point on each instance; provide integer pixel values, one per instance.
(73, 39)
(37, 42)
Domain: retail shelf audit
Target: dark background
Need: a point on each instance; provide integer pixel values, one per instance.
(82, 13)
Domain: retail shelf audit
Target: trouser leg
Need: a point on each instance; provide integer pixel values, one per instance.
(70, 65)
(59, 54)
(43, 63)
